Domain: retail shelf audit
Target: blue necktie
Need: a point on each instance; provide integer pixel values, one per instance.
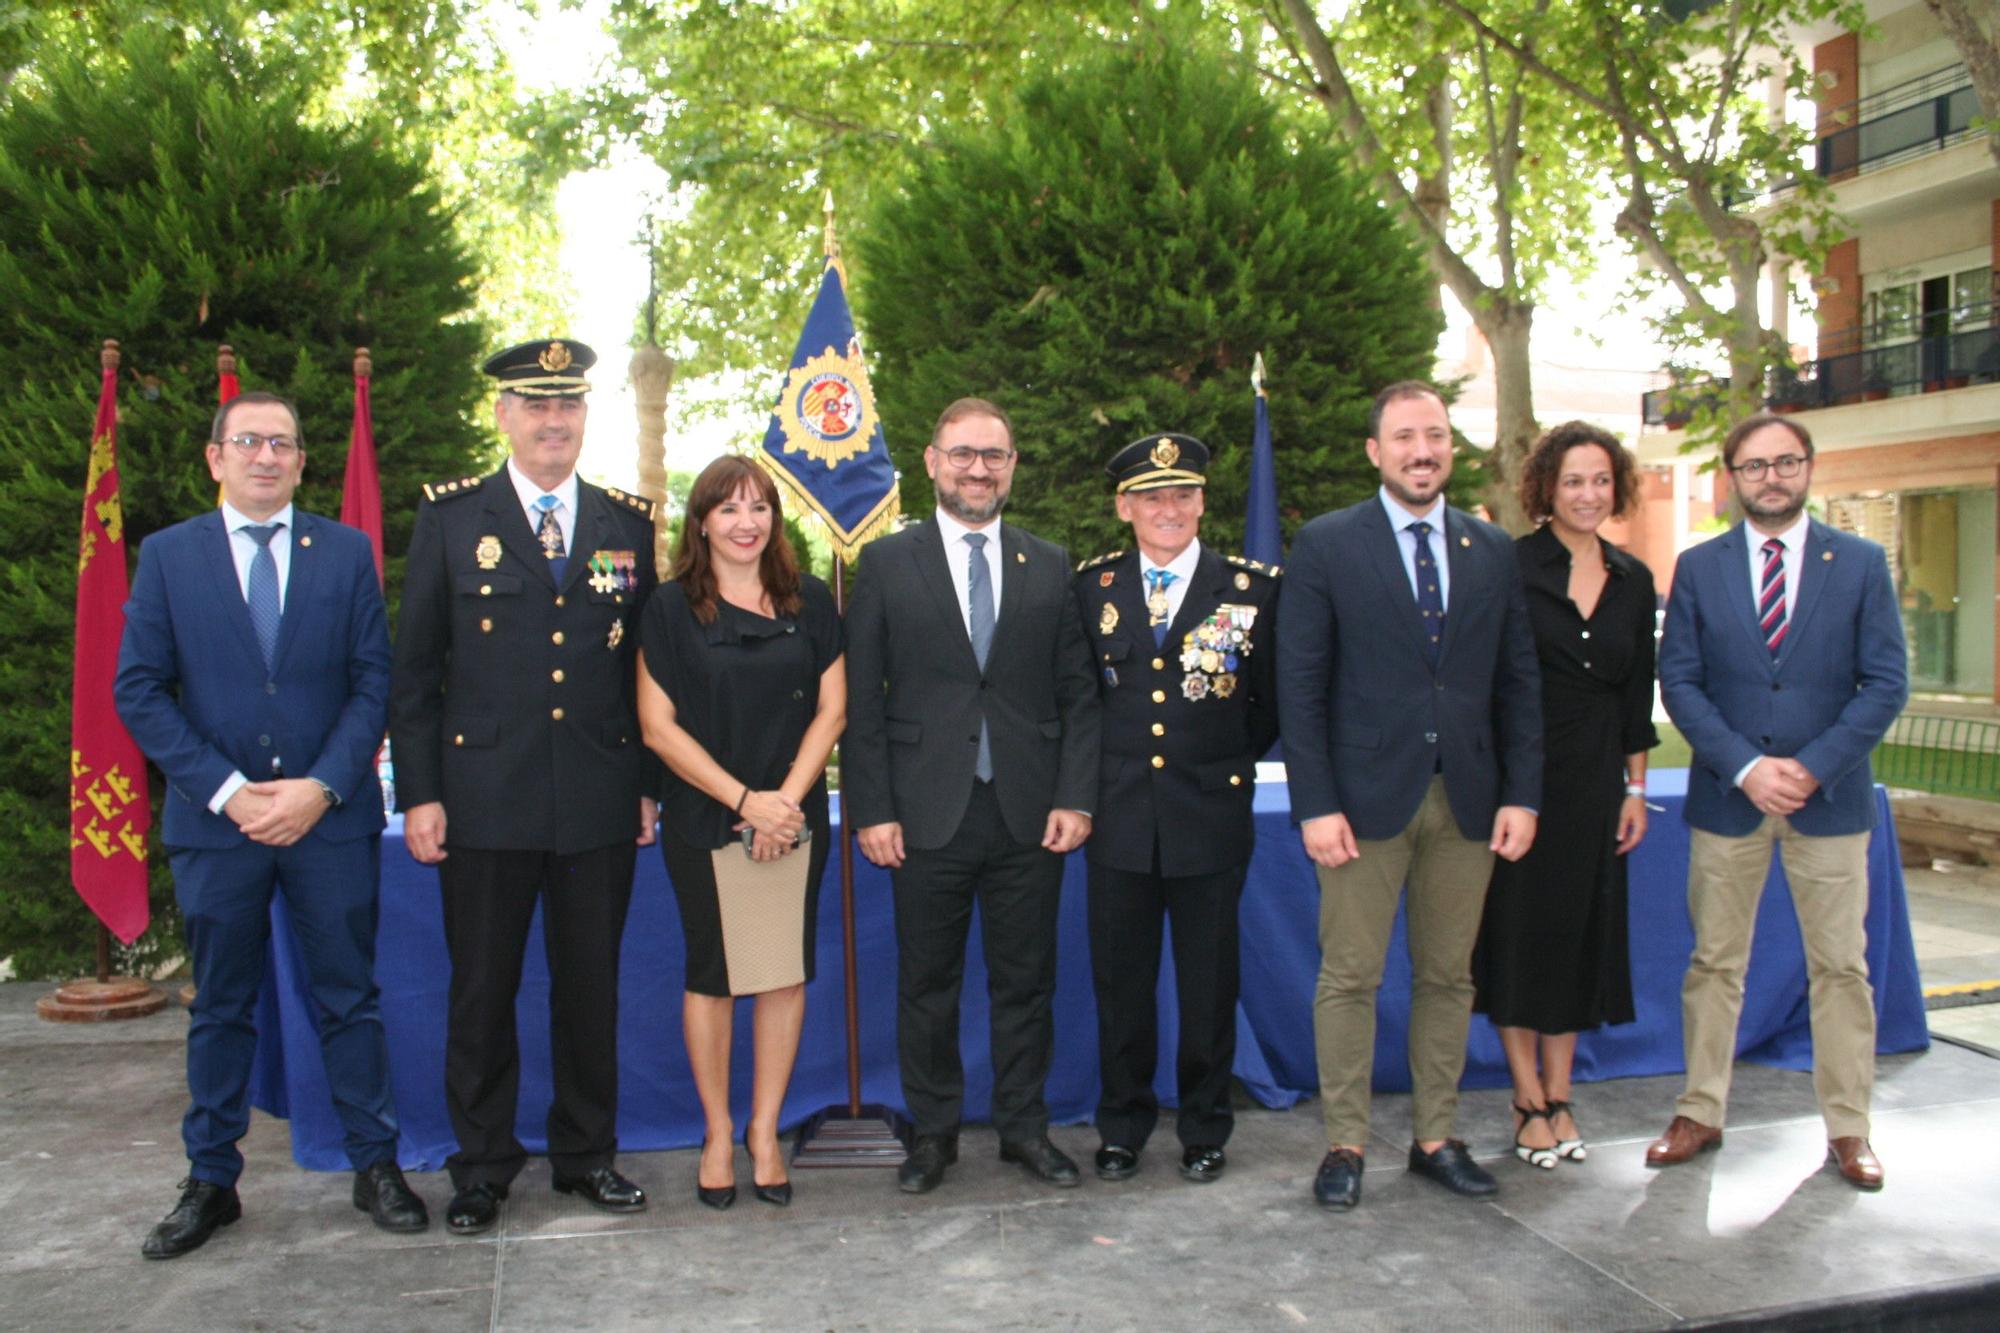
(1157, 583)
(979, 608)
(1430, 601)
(550, 535)
(263, 597)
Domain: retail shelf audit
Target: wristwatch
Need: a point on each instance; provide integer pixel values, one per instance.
(326, 791)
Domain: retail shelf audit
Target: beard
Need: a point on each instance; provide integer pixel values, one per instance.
(955, 503)
(1777, 508)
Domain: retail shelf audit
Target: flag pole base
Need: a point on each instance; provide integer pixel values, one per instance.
(835, 1136)
(94, 1001)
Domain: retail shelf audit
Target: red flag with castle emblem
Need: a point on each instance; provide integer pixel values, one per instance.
(109, 811)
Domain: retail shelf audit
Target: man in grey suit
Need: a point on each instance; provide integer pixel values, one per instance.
(970, 766)
(1409, 700)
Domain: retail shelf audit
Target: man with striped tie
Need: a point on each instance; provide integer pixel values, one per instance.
(1783, 664)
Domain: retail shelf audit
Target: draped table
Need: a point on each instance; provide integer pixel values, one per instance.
(657, 1106)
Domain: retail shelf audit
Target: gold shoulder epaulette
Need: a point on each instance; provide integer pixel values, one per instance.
(1255, 566)
(638, 503)
(445, 490)
(1097, 560)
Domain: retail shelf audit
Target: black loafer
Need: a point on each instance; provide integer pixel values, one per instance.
(1338, 1184)
(381, 1192)
(1452, 1167)
(923, 1170)
(1116, 1162)
(1203, 1164)
(1043, 1160)
(601, 1187)
(204, 1206)
(474, 1208)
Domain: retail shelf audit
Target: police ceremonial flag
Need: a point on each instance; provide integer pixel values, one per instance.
(825, 441)
(1260, 527)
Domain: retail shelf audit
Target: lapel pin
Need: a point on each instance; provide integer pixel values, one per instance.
(1465, 541)
(1020, 557)
(1826, 555)
(307, 541)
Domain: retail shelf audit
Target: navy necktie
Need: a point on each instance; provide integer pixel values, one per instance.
(979, 618)
(1430, 600)
(263, 595)
(550, 535)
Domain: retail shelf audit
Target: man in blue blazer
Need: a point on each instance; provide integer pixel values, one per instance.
(1783, 664)
(255, 672)
(1409, 702)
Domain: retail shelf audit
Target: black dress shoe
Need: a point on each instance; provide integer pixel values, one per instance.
(204, 1206)
(923, 1170)
(1203, 1164)
(1338, 1184)
(381, 1192)
(1116, 1162)
(1045, 1161)
(601, 1187)
(1452, 1167)
(474, 1208)
(780, 1193)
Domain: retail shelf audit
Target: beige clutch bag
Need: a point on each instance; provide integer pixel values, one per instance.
(763, 906)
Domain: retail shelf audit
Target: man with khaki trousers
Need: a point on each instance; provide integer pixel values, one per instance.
(1783, 664)
(1410, 703)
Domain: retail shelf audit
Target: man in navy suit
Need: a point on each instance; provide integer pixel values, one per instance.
(1409, 700)
(1783, 664)
(255, 672)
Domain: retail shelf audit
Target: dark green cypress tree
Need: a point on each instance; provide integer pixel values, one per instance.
(178, 194)
(1105, 259)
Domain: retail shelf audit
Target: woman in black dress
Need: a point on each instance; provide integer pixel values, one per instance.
(742, 692)
(1553, 958)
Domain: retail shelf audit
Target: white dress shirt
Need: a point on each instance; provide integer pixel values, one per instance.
(242, 550)
(1400, 520)
(565, 495)
(956, 553)
(1181, 567)
(1794, 539)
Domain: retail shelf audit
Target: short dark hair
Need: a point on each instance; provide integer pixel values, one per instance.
(251, 399)
(1542, 468)
(1750, 425)
(1395, 392)
(971, 407)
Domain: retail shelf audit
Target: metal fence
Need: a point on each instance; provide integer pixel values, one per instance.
(1951, 756)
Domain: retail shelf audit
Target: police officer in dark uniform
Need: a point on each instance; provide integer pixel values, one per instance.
(521, 773)
(1182, 640)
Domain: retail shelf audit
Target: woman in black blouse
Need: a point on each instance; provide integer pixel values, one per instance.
(742, 692)
(1553, 957)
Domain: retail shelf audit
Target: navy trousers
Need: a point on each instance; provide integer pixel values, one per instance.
(225, 899)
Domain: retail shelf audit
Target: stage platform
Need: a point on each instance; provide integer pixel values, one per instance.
(89, 1116)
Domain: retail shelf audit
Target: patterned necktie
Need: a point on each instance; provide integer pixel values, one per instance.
(550, 533)
(979, 609)
(263, 596)
(1157, 583)
(1430, 601)
(1771, 596)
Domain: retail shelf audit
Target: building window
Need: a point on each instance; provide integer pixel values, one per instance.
(1940, 546)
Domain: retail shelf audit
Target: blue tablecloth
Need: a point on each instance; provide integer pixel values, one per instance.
(657, 1103)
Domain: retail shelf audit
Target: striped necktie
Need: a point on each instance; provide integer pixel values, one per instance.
(1771, 616)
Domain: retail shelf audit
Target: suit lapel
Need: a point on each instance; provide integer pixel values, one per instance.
(510, 524)
(228, 589)
(934, 572)
(1013, 580)
(300, 583)
(1467, 577)
(1815, 568)
(1385, 553)
(591, 523)
(1736, 584)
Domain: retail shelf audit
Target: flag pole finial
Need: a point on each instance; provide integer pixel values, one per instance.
(110, 356)
(831, 242)
(1257, 374)
(225, 359)
(364, 364)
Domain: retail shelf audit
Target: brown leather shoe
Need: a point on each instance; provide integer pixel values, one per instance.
(1857, 1162)
(1683, 1139)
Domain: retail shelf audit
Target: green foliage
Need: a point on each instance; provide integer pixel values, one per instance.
(1106, 258)
(176, 195)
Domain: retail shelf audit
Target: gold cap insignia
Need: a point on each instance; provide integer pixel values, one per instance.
(554, 358)
(1165, 454)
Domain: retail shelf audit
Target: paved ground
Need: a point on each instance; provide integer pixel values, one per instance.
(89, 1154)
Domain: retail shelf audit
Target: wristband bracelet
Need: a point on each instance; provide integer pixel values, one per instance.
(737, 809)
(1635, 789)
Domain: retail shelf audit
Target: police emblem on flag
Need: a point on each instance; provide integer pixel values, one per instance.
(827, 412)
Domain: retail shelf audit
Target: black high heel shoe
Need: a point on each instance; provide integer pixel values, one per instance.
(780, 1193)
(718, 1198)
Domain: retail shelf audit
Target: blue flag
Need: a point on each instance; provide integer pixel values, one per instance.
(1260, 527)
(825, 441)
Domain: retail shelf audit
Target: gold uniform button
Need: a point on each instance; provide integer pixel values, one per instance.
(559, 601)
(556, 713)
(1159, 728)
(1159, 761)
(486, 626)
(556, 675)
(1159, 696)
(556, 637)
(1235, 780)
(458, 740)
(1159, 664)
(485, 590)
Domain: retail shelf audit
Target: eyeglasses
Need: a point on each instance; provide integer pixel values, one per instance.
(1754, 470)
(250, 445)
(962, 456)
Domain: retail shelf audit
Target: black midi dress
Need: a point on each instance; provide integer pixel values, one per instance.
(1553, 954)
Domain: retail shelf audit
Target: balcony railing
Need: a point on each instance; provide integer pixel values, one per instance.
(1931, 123)
(1855, 338)
(1925, 365)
